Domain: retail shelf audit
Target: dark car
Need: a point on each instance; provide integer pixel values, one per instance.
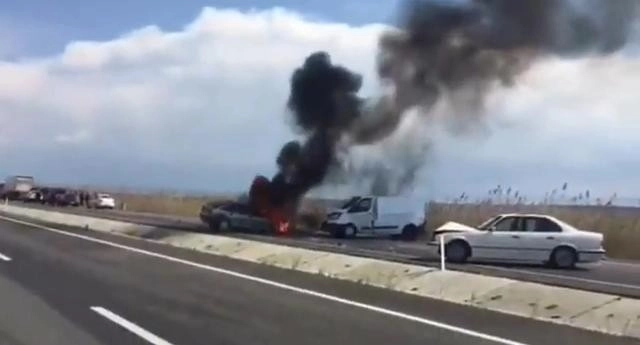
(61, 197)
(70, 198)
(232, 216)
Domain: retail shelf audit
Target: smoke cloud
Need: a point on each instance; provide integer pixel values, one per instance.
(440, 52)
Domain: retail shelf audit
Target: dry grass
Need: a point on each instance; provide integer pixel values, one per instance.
(185, 206)
(621, 225)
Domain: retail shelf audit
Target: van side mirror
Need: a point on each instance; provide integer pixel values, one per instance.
(492, 228)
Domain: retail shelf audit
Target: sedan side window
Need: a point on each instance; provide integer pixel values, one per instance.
(530, 224)
(243, 209)
(546, 225)
(230, 208)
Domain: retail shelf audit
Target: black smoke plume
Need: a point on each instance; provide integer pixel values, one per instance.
(438, 52)
(324, 102)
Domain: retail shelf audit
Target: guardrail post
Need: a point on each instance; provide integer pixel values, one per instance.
(442, 254)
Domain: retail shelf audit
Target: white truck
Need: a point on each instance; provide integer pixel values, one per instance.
(17, 187)
(398, 217)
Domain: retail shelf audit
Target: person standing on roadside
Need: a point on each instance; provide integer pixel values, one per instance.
(86, 198)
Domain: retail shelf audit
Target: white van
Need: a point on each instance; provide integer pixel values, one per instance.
(377, 216)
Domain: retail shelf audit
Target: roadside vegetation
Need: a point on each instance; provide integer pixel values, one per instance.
(620, 225)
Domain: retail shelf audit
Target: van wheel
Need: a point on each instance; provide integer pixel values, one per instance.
(345, 232)
(350, 231)
(409, 233)
(457, 251)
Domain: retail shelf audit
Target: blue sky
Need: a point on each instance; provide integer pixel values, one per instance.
(44, 27)
(199, 104)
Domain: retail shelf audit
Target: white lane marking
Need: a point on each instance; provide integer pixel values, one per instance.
(556, 276)
(4, 257)
(283, 286)
(131, 327)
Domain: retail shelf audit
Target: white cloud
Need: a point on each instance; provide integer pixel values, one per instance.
(205, 106)
(73, 138)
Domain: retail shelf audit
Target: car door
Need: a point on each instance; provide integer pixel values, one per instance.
(388, 219)
(502, 242)
(361, 215)
(251, 221)
(242, 216)
(542, 236)
(231, 211)
(382, 223)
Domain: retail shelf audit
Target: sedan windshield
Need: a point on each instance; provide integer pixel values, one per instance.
(488, 223)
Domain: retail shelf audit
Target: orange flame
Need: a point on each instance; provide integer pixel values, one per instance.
(260, 199)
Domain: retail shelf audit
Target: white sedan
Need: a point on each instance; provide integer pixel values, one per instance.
(101, 200)
(520, 238)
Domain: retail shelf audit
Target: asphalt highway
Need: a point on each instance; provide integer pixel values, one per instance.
(611, 276)
(69, 286)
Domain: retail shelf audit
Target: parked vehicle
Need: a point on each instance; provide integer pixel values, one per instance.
(17, 187)
(53, 196)
(34, 195)
(377, 216)
(69, 198)
(520, 238)
(233, 216)
(101, 200)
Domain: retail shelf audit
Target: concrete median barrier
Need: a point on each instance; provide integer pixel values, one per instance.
(588, 310)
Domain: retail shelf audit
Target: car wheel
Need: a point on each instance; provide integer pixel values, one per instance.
(457, 251)
(224, 225)
(409, 233)
(564, 257)
(340, 232)
(213, 226)
(350, 231)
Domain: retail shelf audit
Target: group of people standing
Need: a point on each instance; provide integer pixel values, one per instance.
(84, 198)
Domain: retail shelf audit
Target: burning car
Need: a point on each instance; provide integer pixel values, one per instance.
(262, 212)
(233, 215)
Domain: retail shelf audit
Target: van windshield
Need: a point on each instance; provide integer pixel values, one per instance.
(350, 203)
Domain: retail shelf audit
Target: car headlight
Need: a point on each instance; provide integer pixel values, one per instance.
(333, 216)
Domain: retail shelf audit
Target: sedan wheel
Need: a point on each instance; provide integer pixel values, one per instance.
(564, 257)
(457, 252)
(224, 225)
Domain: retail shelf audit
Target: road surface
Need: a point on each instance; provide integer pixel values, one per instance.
(615, 277)
(65, 286)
